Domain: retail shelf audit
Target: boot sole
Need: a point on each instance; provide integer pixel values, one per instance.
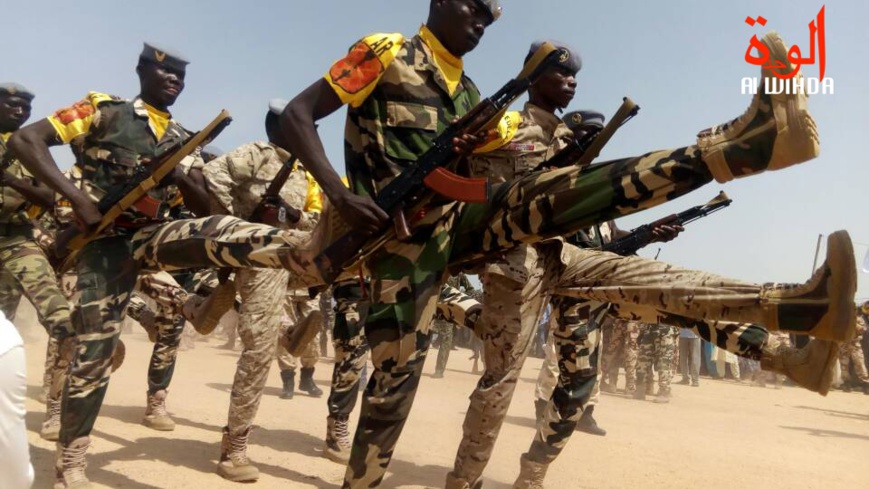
(840, 322)
(238, 477)
(222, 301)
(50, 435)
(335, 456)
(158, 427)
(797, 138)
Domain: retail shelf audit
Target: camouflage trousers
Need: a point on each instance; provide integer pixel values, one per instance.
(851, 355)
(657, 347)
(351, 347)
(296, 308)
(406, 275)
(620, 348)
(25, 271)
(575, 339)
(445, 333)
(258, 327)
(107, 269)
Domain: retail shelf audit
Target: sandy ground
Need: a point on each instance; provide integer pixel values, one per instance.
(722, 434)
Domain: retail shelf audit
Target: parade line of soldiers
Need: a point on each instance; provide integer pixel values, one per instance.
(194, 246)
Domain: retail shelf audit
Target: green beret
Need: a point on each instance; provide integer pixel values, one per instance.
(584, 118)
(568, 59)
(164, 56)
(12, 88)
(277, 105)
(491, 6)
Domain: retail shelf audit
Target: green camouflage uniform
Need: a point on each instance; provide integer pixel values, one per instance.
(657, 347)
(351, 347)
(237, 182)
(120, 138)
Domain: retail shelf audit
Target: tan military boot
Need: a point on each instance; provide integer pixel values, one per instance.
(775, 132)
(338, 444)
(824, 306)
(531, 474)
(295, 339)
(51, 426)
(813, 366)
(119, 355)
(234, 465)
(455, 482)
(148, 320)
(205, 313)
(156, 416)
(70, 465)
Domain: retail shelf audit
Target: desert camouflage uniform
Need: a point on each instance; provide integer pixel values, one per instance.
(25, 270)
(395, 118)
(620, 348)
(110, 149)
(852, 352)
(237, 182)
(657, 346)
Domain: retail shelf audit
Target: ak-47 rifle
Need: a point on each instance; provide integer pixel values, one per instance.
(583, 151)
(410, 189)
(641, 236)
(146, 177)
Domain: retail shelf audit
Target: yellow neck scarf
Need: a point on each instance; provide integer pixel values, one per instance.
(447, 63)
(159, 120)
(5, 136)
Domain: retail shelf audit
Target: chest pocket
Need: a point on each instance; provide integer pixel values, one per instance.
(410, 127)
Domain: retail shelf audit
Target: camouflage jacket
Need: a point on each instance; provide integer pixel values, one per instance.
(119, 141)
(13, 205)
(397, 122)
(539, 136)
(238, 180)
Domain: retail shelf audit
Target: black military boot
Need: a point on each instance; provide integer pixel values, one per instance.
(289, 379)
(306, 383)
(587, 423)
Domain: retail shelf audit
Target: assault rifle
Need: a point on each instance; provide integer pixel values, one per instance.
(410, 189)
(642, 236)
(272, 209)
(134, 193)
(583, 151)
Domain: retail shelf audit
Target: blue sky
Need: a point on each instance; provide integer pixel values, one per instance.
(681, 61)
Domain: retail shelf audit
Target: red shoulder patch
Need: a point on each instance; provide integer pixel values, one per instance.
(77, 111)
(357, 70)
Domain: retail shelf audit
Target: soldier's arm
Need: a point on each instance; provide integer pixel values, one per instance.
(193, 188)
(30, 145)
(298, 124)
(35, 193)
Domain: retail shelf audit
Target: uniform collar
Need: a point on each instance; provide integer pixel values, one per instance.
(543, 118)
(141, 110)
(424, 61)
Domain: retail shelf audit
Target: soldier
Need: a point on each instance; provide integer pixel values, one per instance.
(24, 267)
(851, 356)
(620, 346)
(299, 306)
(115, 137)
(657, 344)
(237, 183)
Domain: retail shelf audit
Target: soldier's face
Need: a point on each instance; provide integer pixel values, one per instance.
(161, 85)
(14, 112)
(557, 87)
(465, 23)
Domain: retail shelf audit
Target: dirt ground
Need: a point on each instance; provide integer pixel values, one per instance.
(722, 434)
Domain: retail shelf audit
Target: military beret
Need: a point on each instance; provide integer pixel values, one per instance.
(12, 88)
(277, 105)
(163, 56)
(568, 59)
(491, 6)
(584, 118)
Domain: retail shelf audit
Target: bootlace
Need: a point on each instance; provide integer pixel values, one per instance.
(238, 447)
(74, 464)
(157, 406)
(54, 410)
(342, 433)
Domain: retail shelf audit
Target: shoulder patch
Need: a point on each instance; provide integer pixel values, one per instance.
(365, 62)
(79, 110)
(96, 98)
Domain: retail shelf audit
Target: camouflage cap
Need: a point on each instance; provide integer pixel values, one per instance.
(11, 88)
(584, 118)
(164, 56)
(277, 105)
(491, 6)
(568, 59)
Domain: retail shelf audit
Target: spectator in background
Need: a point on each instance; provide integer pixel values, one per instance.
(689, 357)
(15, 469)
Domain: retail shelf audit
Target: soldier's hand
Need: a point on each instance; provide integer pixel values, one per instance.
(466, 143)
(665, 232)
(87, 216)
(361, 212)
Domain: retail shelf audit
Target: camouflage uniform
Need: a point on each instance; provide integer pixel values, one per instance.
(111, 147)
(445, 324)
(351, 347)
(620, 346)
(237, 182)
(328, 313)
(395, 111)
(297, 306)
(852, 352)
(657, 346)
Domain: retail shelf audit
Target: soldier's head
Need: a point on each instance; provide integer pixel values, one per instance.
(273, 122)
(161, 75)
(557, 86)
(14, 106)
(584, 122)
(459, 24)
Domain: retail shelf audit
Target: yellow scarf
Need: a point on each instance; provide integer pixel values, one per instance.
(159, 120)
(5, 136)
(447, 63)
